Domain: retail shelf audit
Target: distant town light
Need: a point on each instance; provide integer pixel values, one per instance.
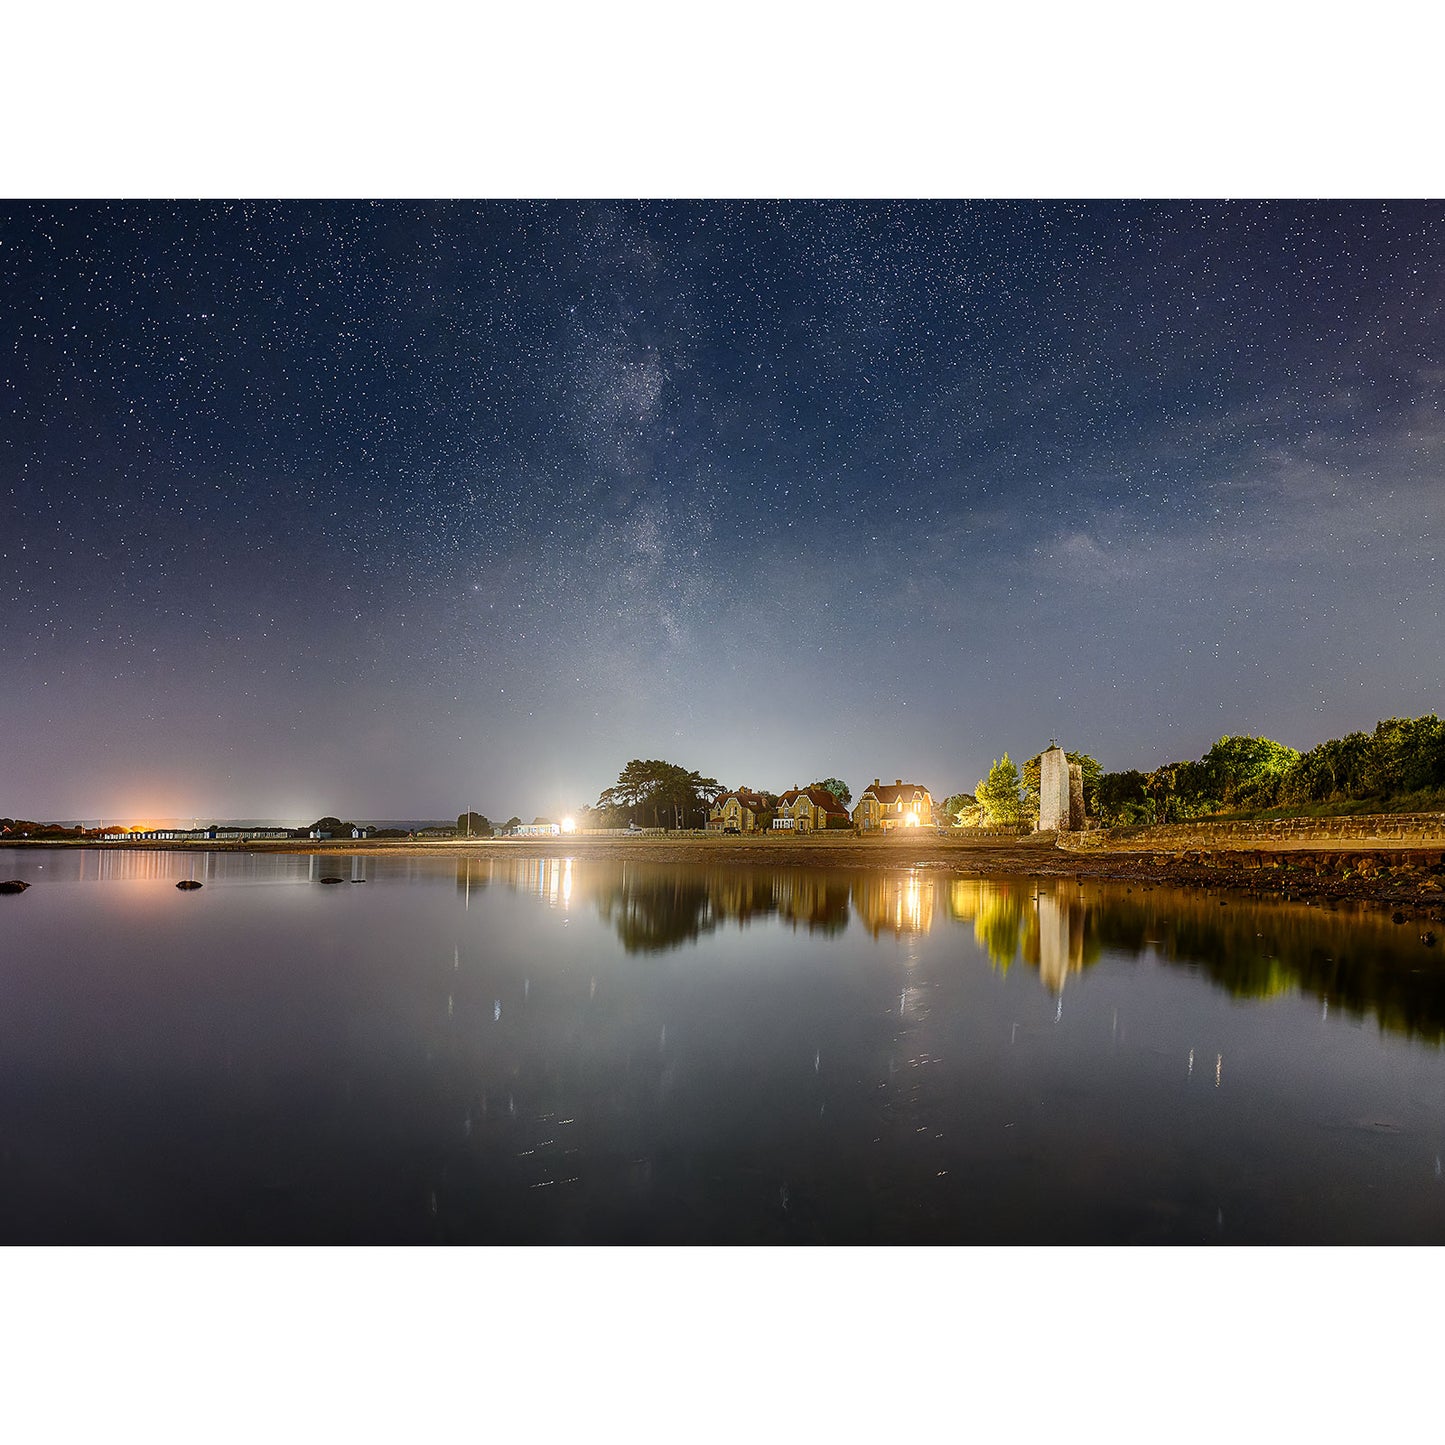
(569, 825)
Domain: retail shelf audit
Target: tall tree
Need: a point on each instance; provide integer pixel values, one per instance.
(837, 787)
(659, 793)
(999, 792)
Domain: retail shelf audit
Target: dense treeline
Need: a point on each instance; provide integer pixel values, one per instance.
(26, 828)
(1402, 764)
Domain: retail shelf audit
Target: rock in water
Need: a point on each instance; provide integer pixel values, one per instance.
(188, 883)
(333, 880)
(13, 885)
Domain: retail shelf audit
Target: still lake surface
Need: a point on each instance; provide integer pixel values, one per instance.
(574, 1051)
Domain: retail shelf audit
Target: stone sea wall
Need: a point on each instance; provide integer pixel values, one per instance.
(1376, 830)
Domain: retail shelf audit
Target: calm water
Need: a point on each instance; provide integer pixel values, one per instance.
(550, 1051)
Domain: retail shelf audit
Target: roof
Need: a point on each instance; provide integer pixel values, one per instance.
(754, 801)
(819, 797)
(891, 792)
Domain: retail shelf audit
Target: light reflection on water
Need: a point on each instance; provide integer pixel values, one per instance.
(570, 1050)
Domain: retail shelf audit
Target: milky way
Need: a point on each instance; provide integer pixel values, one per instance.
(384, 510)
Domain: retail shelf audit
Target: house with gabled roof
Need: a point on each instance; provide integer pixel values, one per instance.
(807, 810)
(886, 807)
(739, 811)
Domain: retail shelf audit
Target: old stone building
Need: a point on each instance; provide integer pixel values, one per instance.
(737, 812)
(885, 807)
(807, 810)
(1053, 789)
(1061, 792)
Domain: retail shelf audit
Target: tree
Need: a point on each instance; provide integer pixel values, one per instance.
(999, 793)
(1124, 798)
(659, 793)
(513, 822)
(690, 795)
(837, 787)
(1405, 755)
(1244, 771)
(1331, 772)
(474, 825)
(957, 803)
(1180, 792)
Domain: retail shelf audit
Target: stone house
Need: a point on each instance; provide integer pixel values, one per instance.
(737, 811)
(807, 810)
(886, 807)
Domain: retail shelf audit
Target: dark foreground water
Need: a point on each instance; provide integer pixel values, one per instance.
(553, 1051)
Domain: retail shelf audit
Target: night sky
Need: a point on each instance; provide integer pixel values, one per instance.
(385, 510)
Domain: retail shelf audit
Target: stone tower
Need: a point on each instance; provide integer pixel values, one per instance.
(1053, 790)
(1076, 798)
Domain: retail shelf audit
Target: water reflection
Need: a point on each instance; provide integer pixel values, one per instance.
(573, 1050)
(655, 907)
(896, 903)
(1064, 938)
(1256, 949)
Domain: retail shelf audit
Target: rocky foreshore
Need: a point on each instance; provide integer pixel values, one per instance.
(1411, 879)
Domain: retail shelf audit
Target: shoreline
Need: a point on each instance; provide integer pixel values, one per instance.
(1398, 877)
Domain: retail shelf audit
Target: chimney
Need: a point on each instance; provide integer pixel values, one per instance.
(875, 782)
(897, 782)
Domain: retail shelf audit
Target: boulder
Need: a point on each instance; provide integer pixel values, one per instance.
(188, 883)
(13, 885)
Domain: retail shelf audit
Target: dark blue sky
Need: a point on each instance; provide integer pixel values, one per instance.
(383, 509)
